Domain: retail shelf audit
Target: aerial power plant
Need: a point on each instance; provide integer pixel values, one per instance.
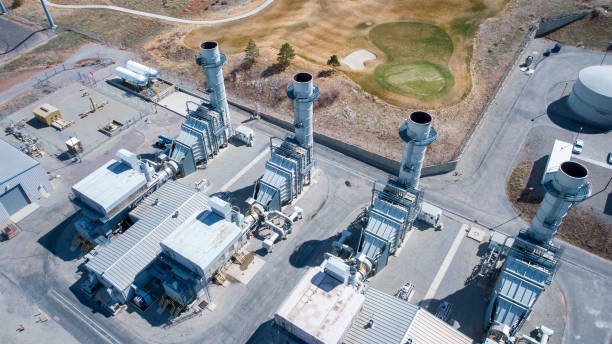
(212, 179)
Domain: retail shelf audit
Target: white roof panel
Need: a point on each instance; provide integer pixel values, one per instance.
(202, 239)
(110, 184)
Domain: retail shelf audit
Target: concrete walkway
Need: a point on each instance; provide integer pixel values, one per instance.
(166, 18)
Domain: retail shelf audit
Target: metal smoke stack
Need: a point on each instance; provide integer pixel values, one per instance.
(303, 93)
(568, 186)
(211, 61)
(417, 134)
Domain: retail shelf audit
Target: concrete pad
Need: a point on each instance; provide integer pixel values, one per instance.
(176, 102)
(477, 234)
(23, 212)
(234, 271)
(356, 60)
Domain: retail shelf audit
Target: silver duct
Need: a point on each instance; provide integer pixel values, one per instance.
(211, 61)
(568, 186)
(417, 134)
(303, 93)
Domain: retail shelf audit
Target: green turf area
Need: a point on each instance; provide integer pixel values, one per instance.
(416, 58)
(420, 79)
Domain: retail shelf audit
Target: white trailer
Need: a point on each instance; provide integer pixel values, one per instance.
(431, 215)
(245, 134)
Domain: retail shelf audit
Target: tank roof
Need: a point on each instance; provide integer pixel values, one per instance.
(597, 79)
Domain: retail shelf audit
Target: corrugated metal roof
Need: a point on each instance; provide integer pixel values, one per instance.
(110, 184)
(125, 257)
(20, 162)
(392, 318)
(202, 239)
(427, 329)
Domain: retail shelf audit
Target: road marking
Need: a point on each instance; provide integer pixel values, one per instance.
(592, 161)
(243, 171)
(83, 317)
(433, 288)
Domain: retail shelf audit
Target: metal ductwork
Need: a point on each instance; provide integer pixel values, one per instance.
(303, 93)
(417, 134)
(211, 61)
(568, 186)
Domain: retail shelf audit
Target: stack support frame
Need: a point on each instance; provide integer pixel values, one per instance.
(211, 61)
(417, 133)
(303, 92)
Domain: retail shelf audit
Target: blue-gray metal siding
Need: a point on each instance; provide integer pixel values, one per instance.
(30, 181)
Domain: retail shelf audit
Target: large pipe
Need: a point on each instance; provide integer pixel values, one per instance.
(2, 8)
(568, 186)
(303, 93)
(417, 134)
(211, 61)
(51, 23)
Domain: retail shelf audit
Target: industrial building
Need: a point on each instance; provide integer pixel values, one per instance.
(179, 239)
(397, 203)
(330, 304)
(591, 97)
(109, 192)
(292, 159)
(522, 266)
(22, 181)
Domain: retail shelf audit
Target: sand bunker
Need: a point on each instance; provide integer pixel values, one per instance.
(356, 59)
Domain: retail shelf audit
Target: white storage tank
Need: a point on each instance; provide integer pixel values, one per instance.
(591, 97)
(132, 77)
(142, 69)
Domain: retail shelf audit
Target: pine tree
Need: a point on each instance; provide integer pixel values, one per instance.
(285, 55)
(252, 51)
(333, 61)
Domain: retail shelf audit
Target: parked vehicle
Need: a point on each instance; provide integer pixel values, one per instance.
(578, 145)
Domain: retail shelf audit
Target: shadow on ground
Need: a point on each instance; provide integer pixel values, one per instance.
(58, 241)
(561, 114)
(310, 253)
(468, 309)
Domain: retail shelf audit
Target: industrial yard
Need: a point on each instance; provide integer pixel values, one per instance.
(141, 207)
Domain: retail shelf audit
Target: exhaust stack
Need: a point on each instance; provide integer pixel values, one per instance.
(211, 61)
(568, 186)
(303, 93)
(417, 134)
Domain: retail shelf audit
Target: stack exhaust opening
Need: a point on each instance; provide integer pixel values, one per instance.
(568, 186)
(417, 133)
(211, 61)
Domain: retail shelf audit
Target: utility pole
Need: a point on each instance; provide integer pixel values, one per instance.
(52, 25)
(2, 8)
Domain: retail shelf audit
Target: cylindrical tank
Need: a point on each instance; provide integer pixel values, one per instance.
(211, 61)
(303, 93)
(567, 187)
(132, 77)
(417, 134)
(141, 69)
(591, 97)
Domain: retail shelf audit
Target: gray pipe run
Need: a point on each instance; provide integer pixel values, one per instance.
(568, 186)
(303, 93)
(51, 23)
(211, 61)
(417, 134)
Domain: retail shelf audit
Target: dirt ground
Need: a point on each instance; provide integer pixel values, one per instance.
(593, 32)
(580, 227)
(346, 110)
